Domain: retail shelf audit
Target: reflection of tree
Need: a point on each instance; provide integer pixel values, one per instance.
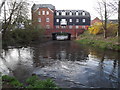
(36, 54)
(102, 61)
(113, 71)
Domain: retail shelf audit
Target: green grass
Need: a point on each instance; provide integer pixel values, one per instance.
(99, 41)
(31, 83)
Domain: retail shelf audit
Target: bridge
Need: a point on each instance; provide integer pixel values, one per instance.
(72, 33)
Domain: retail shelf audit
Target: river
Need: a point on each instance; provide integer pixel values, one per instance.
(69, 64)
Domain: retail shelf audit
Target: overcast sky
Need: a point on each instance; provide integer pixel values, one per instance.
(88, 5)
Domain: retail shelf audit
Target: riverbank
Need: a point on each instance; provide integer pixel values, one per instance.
(99, 41)
(31, 82)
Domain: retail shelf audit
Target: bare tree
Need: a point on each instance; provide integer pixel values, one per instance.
(118, 34)
(105, 10)
(15, 12)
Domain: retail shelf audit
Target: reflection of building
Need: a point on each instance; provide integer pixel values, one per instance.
(71, 21)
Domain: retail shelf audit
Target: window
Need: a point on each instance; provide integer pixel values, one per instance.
(83, 13)
(47, 12)
(57, 13)
(39, 19)
(47, 20)
(57, 26)
(83, 27)
(39, 13)
(43, 12)
(63, 27)
(63, 13)
(76, 13)
(70, 26)
(77, 27)
(47, 26)
(57, 20)
(70, 20)
(63, 22)
(77, 20)
(70, 13)
(83, 20)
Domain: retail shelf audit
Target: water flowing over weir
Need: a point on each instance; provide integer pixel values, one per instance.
(64, 61)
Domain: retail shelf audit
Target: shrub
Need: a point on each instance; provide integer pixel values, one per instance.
(20, 36)
(112, 29)
(96, 29)
(32, 82)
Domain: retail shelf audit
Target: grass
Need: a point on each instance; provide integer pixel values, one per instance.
(32, 82)
(99, 41)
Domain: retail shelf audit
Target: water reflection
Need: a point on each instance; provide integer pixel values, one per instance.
(75, 65)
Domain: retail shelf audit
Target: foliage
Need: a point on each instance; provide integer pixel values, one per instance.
(48, 83)
(12, 81)
(99, 41)
(31, 82)
(112, 29)
(22, 36)
(96, 29)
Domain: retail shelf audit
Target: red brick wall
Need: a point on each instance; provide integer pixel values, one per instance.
(95, 21)
(43, 22)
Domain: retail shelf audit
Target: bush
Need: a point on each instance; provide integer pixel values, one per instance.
(112, 29)
(20, 36)
(31, 83)
(96, 29)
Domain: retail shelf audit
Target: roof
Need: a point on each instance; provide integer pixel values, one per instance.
(73, 11)
(36, 6)
(113, 21)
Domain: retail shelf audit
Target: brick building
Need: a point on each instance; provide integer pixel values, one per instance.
(73, 22)
(96, 20)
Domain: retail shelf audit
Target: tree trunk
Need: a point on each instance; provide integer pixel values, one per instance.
(105, 23)
(118, 33)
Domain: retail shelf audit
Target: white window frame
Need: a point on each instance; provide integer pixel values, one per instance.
(57, 26)
(43, 12)
(70, 27)
(63, 13)
(70, 20)
(57, 13)
(77, 20)
(83, 27)
(47, 19)
(77, 27)
(83, 20)
(83, 13)
(77, 13)
(70, 13)
(47, 26)
(39, 13)
(39, 20)
(47, 13)
(63, 27)
(57, 20)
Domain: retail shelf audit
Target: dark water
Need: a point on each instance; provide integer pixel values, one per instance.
(69, 64)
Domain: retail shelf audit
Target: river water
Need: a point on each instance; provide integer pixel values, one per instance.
(68, 63)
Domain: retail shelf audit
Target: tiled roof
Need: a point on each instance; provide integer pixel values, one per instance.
(36, 6)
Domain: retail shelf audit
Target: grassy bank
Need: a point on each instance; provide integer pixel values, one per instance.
(99, 41)
(32, 82)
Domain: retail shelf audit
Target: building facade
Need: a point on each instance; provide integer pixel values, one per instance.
(70, 21)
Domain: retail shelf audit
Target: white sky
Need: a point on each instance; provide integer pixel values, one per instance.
(88, 5)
